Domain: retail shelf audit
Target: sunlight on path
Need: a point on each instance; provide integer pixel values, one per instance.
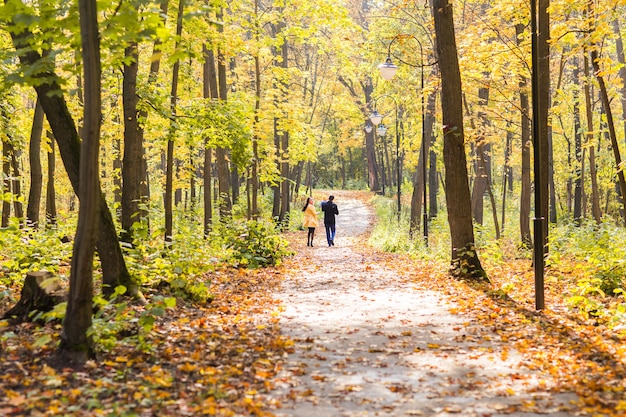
(368, 343)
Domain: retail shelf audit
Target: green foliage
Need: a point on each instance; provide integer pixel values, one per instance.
(57, 314)
(182, 265)
(116, 320)
(251, 244)
(26, 250)
(225, 123)
(599, 276)
(194, 290)
(601, 247)
(390, 236)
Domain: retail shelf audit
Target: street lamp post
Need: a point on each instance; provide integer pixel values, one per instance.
(538, 221)
(376, 118)
(368, 129)
(387, 71)
(381, 130)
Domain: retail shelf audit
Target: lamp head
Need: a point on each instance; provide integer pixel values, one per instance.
(387, 69)
(382, 130)
(376, 117)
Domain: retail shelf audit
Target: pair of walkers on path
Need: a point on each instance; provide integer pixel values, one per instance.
(310, 219)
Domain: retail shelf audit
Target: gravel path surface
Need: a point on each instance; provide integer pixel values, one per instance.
(369, 343)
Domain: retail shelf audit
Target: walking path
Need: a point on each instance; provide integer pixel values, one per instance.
(369, 343)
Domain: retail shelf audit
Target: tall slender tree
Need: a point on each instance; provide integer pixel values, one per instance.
(593, 171)
(464, 257)
(221, 152)
(209, 90)
(6, 182)
(76, 342)
(36, 174)
(51, 207)
(525, 192)
(169, 180)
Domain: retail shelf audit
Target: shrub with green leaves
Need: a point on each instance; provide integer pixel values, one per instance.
(601, 247)
(251, 243)
(26, 250)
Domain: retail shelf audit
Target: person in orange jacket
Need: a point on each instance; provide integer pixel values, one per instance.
(310, 220)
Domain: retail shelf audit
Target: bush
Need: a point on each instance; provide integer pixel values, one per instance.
(601, 249)
(252, 244)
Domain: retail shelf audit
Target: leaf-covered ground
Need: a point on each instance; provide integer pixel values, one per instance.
(336, 331)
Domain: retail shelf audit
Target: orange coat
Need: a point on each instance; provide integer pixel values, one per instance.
(310, 217)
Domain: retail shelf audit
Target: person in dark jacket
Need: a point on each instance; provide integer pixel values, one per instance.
(330, 211)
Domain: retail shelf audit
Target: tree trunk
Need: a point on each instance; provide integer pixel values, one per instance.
(51, 208)
(40, 293)
(6, 183)
(155, 63)
(36, 174)
(285, 185)
(482, 161)
(221, 153)
(416, 199)
(76, 343)
(611, 126)
(16, 186)
(433, 183)
(193, 173)
(464, 258)
(254, 178)
(133, 146)
(169, 167)
(276, 187)
(117, 175)
(209, 90)
(578, 151)
(494, 210)
(606, 104)
(593, 173)
(235, 181)
(372, 164)
(525, 195)
(506, 177)
(115, 159)
(621, 59)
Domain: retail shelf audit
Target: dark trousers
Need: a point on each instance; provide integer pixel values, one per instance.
(330, 233)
